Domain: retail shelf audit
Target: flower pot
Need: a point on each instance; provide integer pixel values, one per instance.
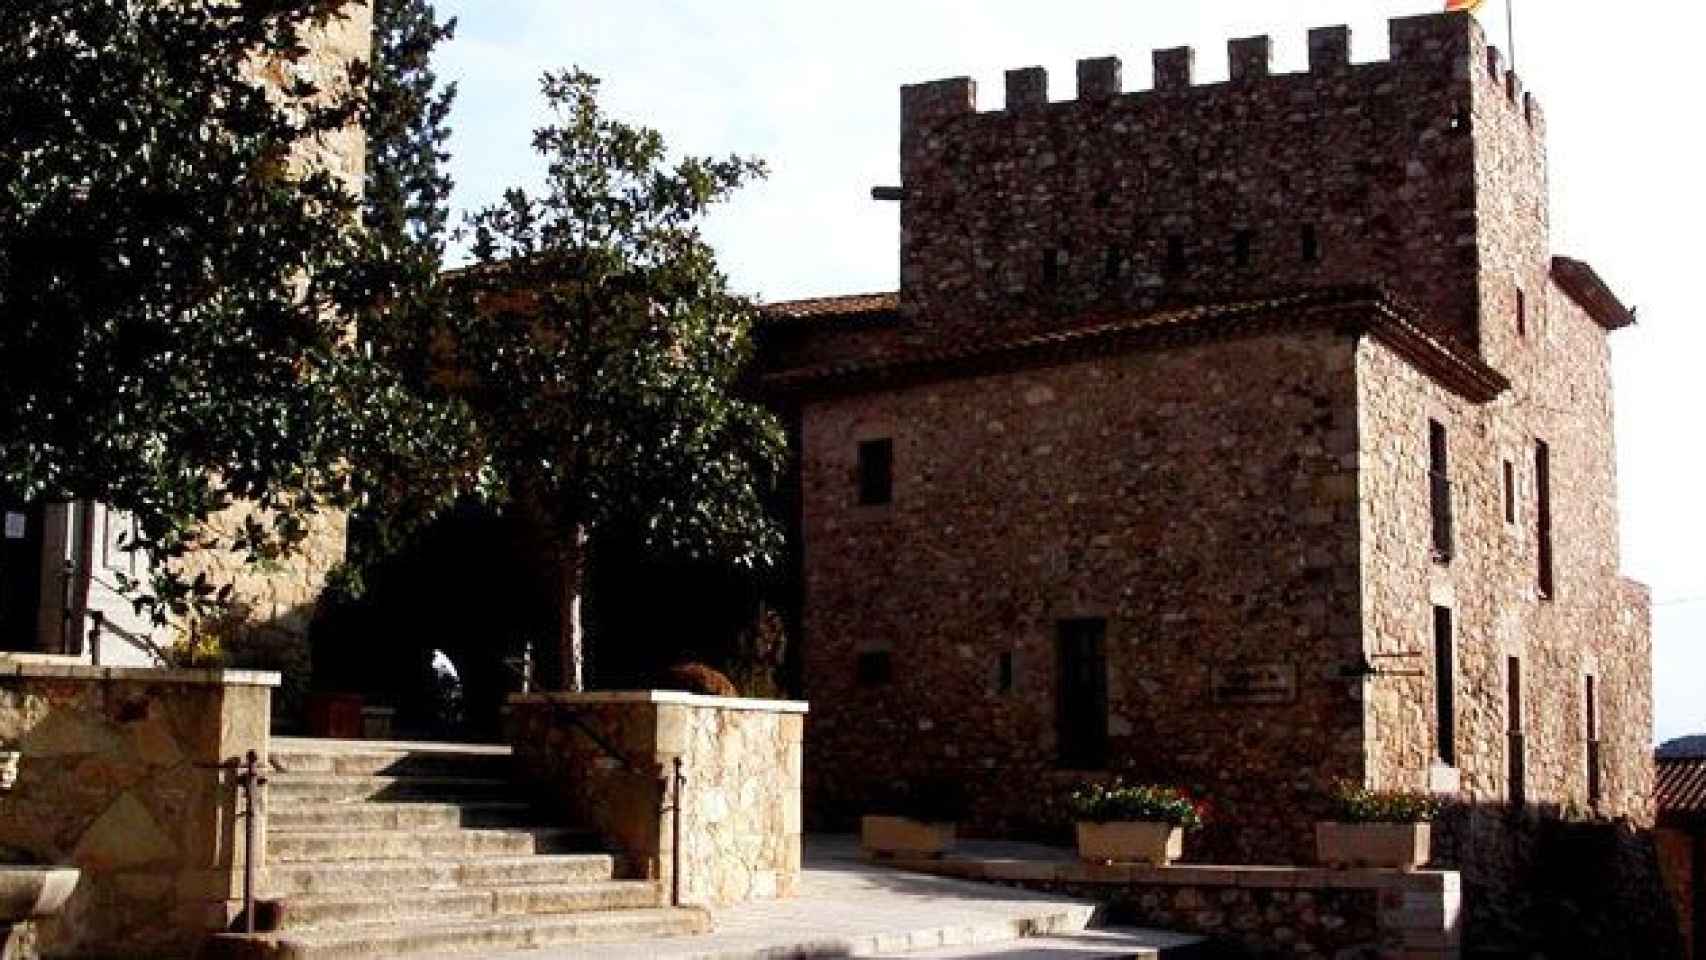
(1397, 846)
(904, 837)
(1134, 841)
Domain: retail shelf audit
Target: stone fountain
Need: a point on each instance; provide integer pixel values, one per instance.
(27, 893)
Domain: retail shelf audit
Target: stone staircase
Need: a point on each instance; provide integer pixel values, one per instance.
(388, 849)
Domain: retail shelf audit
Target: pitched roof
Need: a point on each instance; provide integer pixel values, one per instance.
(858, 306)
(1684, 748)
(1585, 287)
(1681, 788)
(1359, 306)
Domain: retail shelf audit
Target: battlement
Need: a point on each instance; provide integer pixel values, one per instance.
(1444, 44)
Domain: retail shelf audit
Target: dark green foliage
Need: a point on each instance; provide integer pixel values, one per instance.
(1354, 803)
(1118, 802)
(600, 350)
(171, 290)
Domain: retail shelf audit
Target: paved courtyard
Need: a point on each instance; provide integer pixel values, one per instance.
(848, 908)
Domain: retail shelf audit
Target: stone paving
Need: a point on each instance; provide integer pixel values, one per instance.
(848, 908)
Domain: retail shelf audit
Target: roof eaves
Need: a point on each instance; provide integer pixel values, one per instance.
(1585, 286)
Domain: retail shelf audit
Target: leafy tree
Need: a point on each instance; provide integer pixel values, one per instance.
(177, 279)
(408, 474)
(601, 350)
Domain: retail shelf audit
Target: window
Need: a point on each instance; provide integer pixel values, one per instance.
(1175, 255)
(1439, 491)
(1004, 673)
(1242, 244)
(1510, 492)
(1081, 710)
(1445, 688)
(1543, 516)
(875, 668)
(1515, 759)
(1311, 244)
(1521, 313)
(876, 472)
(1112, 264)
(1593, 742)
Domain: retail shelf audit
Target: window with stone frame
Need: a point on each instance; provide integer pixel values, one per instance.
(1445, 688)
(1081, 697)
(1510, 492)
(1545, 581)
(876, 472)
(1516, 752)
(874, 668)
(1594, 759)
(1439, 491)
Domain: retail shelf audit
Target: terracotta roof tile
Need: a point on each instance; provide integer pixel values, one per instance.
(850, 307)
(1681, 789)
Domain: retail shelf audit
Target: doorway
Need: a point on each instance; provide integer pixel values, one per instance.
(21, 576)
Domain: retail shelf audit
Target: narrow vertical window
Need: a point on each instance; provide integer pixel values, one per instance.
(1543, 517)
(1311, 244)
(1445, 688)
(1004, 673)
(1081, 705)
(1515, 758)
(1439, 490)
(876, 472)
(1242, 244)
(1593, 757)
(1521, 313)
(1051, 267)
(1112, 264)
(1175, 255)
(1510, 492)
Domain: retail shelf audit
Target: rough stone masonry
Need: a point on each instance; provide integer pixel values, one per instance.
(1243, 435)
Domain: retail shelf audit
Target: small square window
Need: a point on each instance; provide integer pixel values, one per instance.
(875, 668)
(876, 472)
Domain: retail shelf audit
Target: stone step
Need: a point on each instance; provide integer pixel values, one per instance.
(377, 758)
(288, 846)
(284, 790)
(400, 816)
(310, 913)
(286, 880)
(478, 937)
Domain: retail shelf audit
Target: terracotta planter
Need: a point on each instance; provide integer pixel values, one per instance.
(903, 837)
(1135, 841)
(1397, 846)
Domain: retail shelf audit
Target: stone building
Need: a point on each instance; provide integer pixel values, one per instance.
(1681, 796)
(62, 565)
(1243, 435)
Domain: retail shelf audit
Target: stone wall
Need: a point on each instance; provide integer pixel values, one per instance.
(1201, 499)
(1255, 912)
(608, 759)
(1679, 852)
(1190, 191)
(118, 779)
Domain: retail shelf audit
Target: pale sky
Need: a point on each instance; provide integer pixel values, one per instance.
(813, 88)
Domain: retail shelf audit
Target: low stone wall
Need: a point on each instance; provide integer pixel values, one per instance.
(119, 777)
(608, 758)
(1254, 912)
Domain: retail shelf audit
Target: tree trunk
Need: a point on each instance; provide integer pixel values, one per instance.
(571, 634)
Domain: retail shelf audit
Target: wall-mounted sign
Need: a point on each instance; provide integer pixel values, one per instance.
(1256, 683)
(17, 526)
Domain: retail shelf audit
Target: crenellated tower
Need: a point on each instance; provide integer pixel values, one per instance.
(1424, 172)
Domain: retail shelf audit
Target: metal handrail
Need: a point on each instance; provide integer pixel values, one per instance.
(249, 781)
(99, 627)
(669, 800)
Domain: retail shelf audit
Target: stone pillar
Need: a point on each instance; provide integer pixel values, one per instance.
(609, 758)
(121, 776)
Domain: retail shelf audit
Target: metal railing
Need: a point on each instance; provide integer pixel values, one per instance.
(249, 781)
